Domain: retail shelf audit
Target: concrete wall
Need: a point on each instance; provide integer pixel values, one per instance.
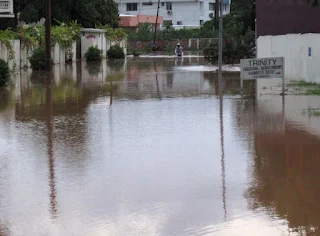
(295, 49)
(96, 38)
(4, 54)
(22, 54)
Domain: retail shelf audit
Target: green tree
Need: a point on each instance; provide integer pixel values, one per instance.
(87, 12)
(145, 31)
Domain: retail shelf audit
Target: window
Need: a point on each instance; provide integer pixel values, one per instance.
(225, 7)
(211, 6)
(162, 4)
(132, 6)
(169, 6)
(147, 4)
(201, 22)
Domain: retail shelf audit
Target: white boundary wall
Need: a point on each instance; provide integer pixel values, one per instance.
(21, 54)
(295, 49)
(96, 38)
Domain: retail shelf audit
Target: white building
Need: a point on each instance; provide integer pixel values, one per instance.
(6, 9)
(181, 13)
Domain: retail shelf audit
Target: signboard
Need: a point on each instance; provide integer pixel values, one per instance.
(262, 68)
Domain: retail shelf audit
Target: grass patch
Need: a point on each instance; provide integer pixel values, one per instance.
(303, 83)
(312, 92)
(316, 113)
(312, 111)
(303, 87)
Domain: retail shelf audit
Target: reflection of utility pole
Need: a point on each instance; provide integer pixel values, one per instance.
(157, 81)
(111, 91)
(48, 35)
(223, 174)
(52, 185)
(283, 115)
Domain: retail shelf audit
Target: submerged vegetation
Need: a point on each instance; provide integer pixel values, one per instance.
(302, 87)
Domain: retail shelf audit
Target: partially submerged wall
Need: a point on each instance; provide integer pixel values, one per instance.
(88, 37)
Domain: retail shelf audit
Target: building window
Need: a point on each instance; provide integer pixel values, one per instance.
(169, 6)
(162, 4)
(147, 4)
(211, 6)
(132, 6)
(225, 7)
(201, 22)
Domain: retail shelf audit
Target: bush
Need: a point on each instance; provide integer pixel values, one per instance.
(210, 52)
(93, 54)
(38, 59)
(115, 52)
(4, 73)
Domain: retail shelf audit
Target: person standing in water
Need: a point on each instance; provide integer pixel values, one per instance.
(178, 50)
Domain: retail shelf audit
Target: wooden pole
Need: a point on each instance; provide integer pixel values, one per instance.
(220, 37)
(155, 27)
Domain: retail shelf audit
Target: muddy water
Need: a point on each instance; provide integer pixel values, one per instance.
(151, 147)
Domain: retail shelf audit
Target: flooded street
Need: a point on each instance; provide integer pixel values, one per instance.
(148, 147)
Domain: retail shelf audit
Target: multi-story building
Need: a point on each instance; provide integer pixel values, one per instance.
(6, 9)
(181, 13)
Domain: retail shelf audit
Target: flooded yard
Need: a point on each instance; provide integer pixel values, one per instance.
(155, 146)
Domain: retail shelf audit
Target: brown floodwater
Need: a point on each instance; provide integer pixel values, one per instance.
(155, 146)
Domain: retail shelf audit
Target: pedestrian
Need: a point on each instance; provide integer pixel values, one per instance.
(178, 50)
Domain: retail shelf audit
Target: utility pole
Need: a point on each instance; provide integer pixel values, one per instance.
(216, 15)
(110, 5)
(48, 35)
(155, 27)
(220, 38)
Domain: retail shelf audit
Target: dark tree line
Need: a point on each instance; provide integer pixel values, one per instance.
(88, 13)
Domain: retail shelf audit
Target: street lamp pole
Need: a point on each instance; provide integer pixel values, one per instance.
(48, 35)
(220, 38)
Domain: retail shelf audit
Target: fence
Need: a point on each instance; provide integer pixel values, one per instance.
(190, 44)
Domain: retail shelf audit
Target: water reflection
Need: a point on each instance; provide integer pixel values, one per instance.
(119, 161)
(283, 170)
(223, 174)
(51, 164)
(157, 81)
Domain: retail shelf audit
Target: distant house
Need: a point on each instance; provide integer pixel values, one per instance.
(290, 29)
(132, 21)
(180, 13)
